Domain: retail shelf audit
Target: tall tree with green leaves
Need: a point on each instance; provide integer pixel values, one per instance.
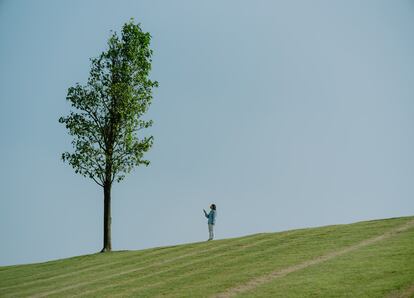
(106, 123)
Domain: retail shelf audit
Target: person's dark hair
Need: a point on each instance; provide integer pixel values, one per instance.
(213, 206)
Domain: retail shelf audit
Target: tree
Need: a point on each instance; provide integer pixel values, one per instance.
(106, 123)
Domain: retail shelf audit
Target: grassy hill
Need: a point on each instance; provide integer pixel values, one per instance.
(365, 259)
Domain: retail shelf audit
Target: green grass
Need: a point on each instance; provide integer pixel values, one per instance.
(204, 269)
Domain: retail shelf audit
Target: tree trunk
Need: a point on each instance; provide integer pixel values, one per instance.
(107, 245)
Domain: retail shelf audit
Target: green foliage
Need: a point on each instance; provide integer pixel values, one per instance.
(107, 120)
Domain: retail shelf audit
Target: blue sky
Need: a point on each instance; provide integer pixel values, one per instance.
(286, 114)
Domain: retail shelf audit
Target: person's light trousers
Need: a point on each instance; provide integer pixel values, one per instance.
(210, 231)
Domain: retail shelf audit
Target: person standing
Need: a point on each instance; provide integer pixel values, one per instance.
(211, 220)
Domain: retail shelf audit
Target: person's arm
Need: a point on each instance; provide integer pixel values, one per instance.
(205, 213)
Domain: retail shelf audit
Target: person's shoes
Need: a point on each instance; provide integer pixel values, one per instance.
(209, 239)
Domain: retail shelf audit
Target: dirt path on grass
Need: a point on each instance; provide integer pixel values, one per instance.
(405, 293)
(253, 283)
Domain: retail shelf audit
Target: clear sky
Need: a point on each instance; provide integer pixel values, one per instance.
(286, 114)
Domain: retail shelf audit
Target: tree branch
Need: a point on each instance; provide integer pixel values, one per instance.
(90, 175)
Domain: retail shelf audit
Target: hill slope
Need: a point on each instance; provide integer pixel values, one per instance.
(365, 259)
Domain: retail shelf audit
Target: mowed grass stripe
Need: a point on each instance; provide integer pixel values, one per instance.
(381, 269)
(162, 273)
(79, 263)
(72, 262)
(92, 268)
(21, 271)
(98, 272)
(285, 234)
(198, 284)
(212, 284)
(208, 258)
(81, 268)
(113, 269)
(256, 282)
(152, 269)
(38, 271)
(134, 270)
(175, 275)
(71, 266)
(320, 231)
(115, 257)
